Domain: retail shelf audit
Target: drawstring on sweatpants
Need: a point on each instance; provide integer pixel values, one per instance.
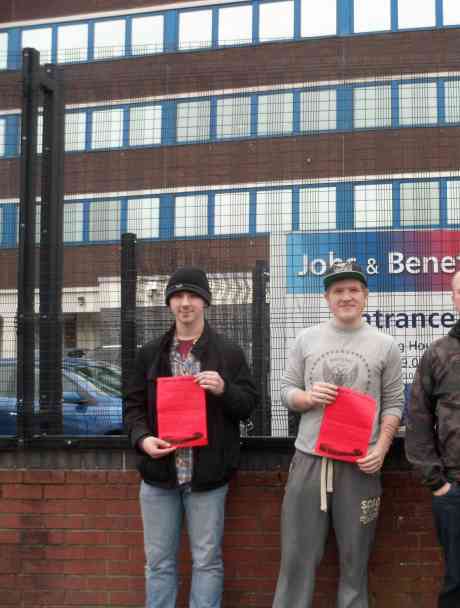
(327, 480)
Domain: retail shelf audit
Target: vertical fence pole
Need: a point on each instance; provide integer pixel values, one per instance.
(26, 247)
(128, 306)
(51, 254)
(261, 347)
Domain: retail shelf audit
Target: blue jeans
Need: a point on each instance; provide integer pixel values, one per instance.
(446, 510)
(162, 515)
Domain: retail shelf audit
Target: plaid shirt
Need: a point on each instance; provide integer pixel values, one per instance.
(183, 367)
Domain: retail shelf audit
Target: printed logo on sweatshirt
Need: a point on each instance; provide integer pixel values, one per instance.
(342, 368)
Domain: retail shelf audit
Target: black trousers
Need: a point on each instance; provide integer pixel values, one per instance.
(446, 511)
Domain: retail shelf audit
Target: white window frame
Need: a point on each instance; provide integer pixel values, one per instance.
(233, 117)
(318, 208)
(102, 134)
(231, 213)
(143, 217)
(416, 194)
(318, 110)
(110, 212)
(274, 211)
(149, 117)
(191, 215)
(373, 205)
(109, 41)
(418, 103)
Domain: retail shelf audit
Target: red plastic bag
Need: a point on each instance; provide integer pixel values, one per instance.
(181, 412)
(346, 426)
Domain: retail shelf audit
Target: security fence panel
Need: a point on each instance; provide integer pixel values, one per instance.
(262, 151)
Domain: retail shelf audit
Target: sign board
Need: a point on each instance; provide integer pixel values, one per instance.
(409, 276)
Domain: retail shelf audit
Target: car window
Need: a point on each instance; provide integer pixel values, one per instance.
(105, 378)
(8, 380)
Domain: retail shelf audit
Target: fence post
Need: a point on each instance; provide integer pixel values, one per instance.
(128, 307)
(261, 347)
(51, 253)
(26, 246)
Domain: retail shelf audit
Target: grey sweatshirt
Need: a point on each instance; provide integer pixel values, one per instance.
(363, 359)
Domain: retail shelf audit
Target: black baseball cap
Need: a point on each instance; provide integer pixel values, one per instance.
(340, 271)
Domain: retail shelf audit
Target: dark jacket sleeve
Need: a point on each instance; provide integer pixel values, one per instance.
(240, 395)
(136, 409)
(421, 442)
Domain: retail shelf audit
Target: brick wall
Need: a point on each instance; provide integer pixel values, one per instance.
(72, 537)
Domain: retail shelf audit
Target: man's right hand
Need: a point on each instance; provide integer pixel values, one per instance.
(443, 489)
(156, 447)
(320, 395)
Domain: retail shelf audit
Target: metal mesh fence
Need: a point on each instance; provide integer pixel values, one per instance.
(260, 166)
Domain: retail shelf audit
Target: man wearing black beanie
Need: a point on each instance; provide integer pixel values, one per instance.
(187, 481)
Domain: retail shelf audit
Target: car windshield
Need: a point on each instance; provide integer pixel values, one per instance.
(93, 376)
(104, 377)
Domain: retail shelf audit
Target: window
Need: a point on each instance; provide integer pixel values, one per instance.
(233, 117)
(73, 222)
(3, 51)
(147, 35)
(276, 20)
(421, 14)
(143, 217)
(318, 110)
(453, 202)
(274, 211)
(418, 103)
(195, 29)
(451, 12)
(104, 221)
(72, 42)
(372, 107)
(193, 120)
(373, 206)
(235, 25)
(316, 22)
(317, 208)
(40, 134)
(145, 125)
(40, 39)
(419, 203)
(109, 39)
(372, 16)
(231, 214)
(452, 96)
(75, 131)
(191, 215)
(275, 114)
(3, 150)
(107, 131)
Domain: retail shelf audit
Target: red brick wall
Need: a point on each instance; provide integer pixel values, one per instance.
(74, 538)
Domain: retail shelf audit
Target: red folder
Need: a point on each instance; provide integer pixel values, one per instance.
(346, 426)
(181, 412)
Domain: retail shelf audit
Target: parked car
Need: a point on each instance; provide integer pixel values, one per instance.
(92, 403)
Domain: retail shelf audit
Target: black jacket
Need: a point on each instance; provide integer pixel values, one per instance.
(214, 464)
(433, 418)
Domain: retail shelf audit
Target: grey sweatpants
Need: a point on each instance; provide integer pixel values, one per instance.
(352, 509)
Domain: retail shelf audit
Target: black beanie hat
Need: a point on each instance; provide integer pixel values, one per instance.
(189, 278)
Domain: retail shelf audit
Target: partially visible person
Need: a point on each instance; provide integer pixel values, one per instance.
(345, 351)
(190, 482)
(433, 444)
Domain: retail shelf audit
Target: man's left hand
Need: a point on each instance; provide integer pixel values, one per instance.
(211, 381)
(373, 461)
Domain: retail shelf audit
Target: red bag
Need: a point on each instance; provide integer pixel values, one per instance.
(181, 412)
(346, 427)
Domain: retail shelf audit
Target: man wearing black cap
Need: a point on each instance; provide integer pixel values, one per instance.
(345, 351)
(188, 481)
